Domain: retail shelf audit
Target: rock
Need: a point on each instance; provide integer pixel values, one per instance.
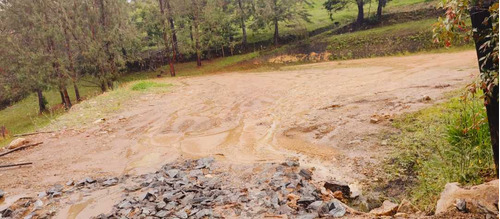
(333, 208)
(132, 188)
(181, 214)
(7, 212)
(374, 120)
(172, 173)
(292, 200)
(70, 183)
(38, 204)
(56, 194)
(124, 205)
(18, 142)
(478, 199)
(406, 207)
(90, 180)
(387, 209)
(162, 214)
(337, 186)
(147, 196)
(426, 98)
(204, 162)
(306, 200)
(315, 206)
(42, 195)
(110, 182)
(284, 209)
(204, 213)
(99, 121)
(56, 188)
(81, 182)
(308, 216)
(2, 193)
(291, 162)
(307, 174)
(461, 205)
(384, 143)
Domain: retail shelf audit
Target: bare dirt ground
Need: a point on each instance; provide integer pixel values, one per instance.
(330, 115)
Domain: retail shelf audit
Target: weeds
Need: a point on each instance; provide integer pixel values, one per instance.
(448, 142)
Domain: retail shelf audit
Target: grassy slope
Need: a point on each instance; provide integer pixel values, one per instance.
(321, 19)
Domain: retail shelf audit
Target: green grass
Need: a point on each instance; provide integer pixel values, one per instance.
(147, 85)
(23, 116)
(320, 18)
(448, 142)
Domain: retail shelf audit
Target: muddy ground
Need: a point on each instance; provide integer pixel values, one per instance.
(330, 115)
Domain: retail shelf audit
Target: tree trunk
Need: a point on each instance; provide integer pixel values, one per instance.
(243, 26)
(70, 60)
(110, 84)
(276, 32)
(222, 49)
(62, 97)
(104, 86)
(77, 92)
(175, 47)
(381, 5)
(361, 15)
(67, 101)
(41, 102)
(170, 59)
(478, 15)
(196, 33)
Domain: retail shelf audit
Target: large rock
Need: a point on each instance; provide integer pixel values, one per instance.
(478, 199)
(387, 209)
(18, 142)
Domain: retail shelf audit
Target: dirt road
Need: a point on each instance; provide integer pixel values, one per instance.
(330, 115)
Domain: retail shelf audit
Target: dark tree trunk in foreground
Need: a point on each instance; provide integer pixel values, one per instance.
(243, 27)
(381, 5)
(478, 15)
(41, 102)
(361, 14)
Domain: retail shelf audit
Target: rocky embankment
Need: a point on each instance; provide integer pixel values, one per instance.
(205, 189)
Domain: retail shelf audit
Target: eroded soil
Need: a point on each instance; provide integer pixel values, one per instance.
(329, 115)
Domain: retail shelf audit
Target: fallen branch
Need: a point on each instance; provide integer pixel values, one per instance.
(32, 133)
(20, 148)
(15, 165)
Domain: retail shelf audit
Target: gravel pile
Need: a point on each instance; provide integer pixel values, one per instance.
(199, 189)
(193, 189)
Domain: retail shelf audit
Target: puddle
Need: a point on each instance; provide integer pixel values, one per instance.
(100, 201)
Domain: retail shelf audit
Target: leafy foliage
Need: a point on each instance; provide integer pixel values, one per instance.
(454, 27)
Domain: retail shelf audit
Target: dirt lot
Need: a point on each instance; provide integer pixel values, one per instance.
(330, 115)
